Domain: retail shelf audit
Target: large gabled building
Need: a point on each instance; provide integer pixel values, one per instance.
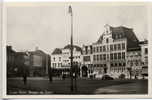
(110, 51)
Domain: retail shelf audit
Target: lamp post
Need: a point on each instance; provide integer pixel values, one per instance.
(71, 58)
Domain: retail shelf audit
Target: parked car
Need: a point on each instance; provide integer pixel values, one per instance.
(107, 77)
(122, 76)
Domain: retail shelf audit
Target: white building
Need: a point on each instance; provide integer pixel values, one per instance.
(66, 54)
(56, 58)
(60, 58)
(110, 51)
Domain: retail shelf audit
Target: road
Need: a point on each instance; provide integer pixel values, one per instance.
(84, 86)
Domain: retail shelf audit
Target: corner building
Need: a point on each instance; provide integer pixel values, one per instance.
(110, 50)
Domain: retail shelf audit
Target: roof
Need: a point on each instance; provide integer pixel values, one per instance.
(120, 33)
(37, 52)
(9, 49)
(100, 39)
(57, 51)
(74, 46)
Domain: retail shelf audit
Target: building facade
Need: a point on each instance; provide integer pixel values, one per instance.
(60, 59)
(87, 68)
(56, 58)
(144, 57)
(11, 64)
(134, 63)
(110, 51)
(39, 63)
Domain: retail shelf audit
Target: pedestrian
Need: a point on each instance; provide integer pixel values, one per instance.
(49, 69)
(24, 75)
(63, 76)
(50, 77)
(25, 79)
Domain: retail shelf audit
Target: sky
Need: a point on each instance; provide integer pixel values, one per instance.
(47, 25)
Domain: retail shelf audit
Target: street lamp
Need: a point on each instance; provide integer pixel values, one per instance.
(71, 48)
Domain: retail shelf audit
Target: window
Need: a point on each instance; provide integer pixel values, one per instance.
(115, 64)
(124, 64)
(107, 56)
(123, 46)
(97, 49)
(111, 47)
(111, 64)
(100, 57)
(120, 35)
(115, 47)
(104, 56)
(86, 50)
(54, 58)
(119, 47)
(111, 56)
(59, 65)
(104, 48)
(93, 49)
(94, 57)
(116, 36)
(120, 64)
(107, 40)
(119, 55)
(115, 55)
(146, 50)
(100, 48)
(97, 57)
(136, 63)
(123, 55)
(59, 58)
(107, 48)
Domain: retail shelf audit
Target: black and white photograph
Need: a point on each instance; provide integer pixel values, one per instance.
(77, 48)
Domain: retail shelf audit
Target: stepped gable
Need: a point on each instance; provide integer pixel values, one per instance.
(122, 32)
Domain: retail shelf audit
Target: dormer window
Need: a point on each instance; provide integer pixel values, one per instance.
(107, 40)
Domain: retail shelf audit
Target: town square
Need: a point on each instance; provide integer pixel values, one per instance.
(76, 48)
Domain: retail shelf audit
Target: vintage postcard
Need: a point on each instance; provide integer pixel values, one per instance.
(76, 50)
